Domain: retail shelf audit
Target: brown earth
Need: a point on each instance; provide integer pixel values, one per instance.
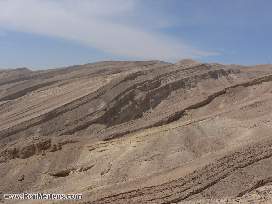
(138, 132)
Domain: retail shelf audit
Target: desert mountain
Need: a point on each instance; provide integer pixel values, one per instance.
(138, 132)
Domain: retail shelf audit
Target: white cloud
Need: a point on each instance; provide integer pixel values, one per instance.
(94, 23)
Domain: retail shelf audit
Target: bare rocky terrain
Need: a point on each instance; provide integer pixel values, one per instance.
(138, 132)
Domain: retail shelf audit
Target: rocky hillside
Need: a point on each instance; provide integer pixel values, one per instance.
(138, 132)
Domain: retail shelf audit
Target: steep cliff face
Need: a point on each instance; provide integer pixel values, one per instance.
(161, 132)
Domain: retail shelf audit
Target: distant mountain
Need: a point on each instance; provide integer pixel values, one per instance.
(139, 132)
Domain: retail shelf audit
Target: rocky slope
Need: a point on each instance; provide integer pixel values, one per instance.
(138, 132)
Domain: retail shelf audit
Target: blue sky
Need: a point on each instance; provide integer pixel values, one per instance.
(54, 33)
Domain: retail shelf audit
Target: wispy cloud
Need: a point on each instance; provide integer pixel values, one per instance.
(95, 23)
